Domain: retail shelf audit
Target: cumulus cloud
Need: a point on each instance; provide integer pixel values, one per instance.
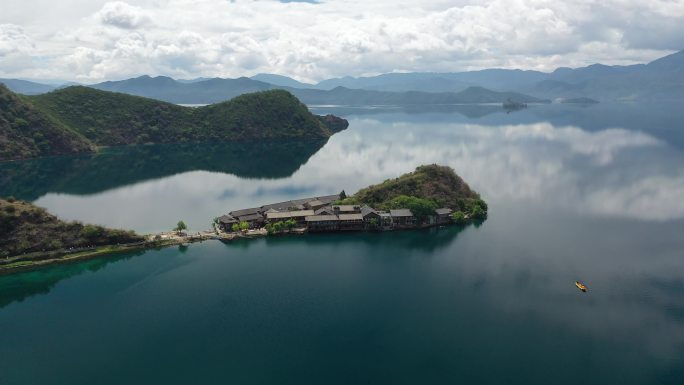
(313, 41)
(123, 15)
(14, 40)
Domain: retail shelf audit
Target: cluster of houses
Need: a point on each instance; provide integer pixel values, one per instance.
(320, 214)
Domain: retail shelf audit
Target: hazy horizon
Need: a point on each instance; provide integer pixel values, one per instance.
(93, 41)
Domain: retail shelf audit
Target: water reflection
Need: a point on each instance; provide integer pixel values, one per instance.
(613, 172)
(121, 166)
(19, 287)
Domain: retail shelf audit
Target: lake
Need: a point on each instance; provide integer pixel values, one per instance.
(591, 193)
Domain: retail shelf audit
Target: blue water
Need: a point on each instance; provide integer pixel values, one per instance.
(591, 193)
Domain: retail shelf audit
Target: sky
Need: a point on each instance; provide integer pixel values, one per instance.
(93, 40)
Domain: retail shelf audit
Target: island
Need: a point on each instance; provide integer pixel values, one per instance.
(79, 119)
(430, 196)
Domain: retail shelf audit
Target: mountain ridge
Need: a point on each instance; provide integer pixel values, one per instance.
(91, 118)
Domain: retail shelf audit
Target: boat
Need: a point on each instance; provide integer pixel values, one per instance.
(581, 286)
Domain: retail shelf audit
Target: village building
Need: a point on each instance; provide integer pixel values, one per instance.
(371, 218)
(327, 210)
(321, 223)
(347, 209)
(299, 216)
(444, 215)
(403, 218)
(255, 221)
(226, 222)
(315, 204)
(243, 212)
(351, 222)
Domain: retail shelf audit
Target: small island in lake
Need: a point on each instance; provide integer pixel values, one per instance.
(432, 195)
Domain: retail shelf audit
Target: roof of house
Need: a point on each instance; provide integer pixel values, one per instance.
(290, 214)
(401, 213)
(346, 207)
(321, 218)
(251, 217)
(365, 210)
(315, 203)
(329, 198)
(326, 209)
(271, 211)
(444, 211)
(227, 219)
(351, 217)
(239, 213)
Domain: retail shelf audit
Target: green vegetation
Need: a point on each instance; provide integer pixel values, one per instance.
(180, 227)
(78, 119)
(25, 229)
(26, 131)
(422, 191)
(279, 227)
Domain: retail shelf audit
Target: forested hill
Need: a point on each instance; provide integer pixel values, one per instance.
(427, 188)
(26, 131)
(93, 118)
(25, 228)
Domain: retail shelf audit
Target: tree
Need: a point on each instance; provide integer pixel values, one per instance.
(244, 225)
(290, 224)
(458, 217)
(235, 227)
(343, 195)
(421, 208)
(180, 226)
(373, 223)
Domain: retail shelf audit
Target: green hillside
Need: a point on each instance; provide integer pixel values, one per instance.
(78, 119)
(26, 131)
(25, 228)
(427, 188)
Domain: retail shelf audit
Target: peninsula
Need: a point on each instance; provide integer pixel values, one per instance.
(430, 196)
(81, 119)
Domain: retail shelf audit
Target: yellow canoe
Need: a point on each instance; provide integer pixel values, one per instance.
(581, 286)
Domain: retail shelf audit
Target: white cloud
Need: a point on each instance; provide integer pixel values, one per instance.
(346, 37)
(123, 15)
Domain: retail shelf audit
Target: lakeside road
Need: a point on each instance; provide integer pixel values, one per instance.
(33, 261)
(27, 262)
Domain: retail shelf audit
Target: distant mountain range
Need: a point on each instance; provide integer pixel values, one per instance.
(662, 79)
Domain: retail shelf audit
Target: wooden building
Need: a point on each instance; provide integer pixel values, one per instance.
(351, 222)
(226, 222)
(299, 216)
(347, 209)
(322, 223)
(255, 221)
(403, 218)
(444, 215)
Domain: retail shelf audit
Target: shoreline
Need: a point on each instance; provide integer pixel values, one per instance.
(22, 264)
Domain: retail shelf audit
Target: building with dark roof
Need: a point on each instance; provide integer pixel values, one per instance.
(444, 215)
(243, 212)
(351, 222)
(255, 221)
(226, 222)
(403, 218)
(347, 209)
(299, 216)
(320, 223)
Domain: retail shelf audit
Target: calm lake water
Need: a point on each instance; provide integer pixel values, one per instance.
(594, 193)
